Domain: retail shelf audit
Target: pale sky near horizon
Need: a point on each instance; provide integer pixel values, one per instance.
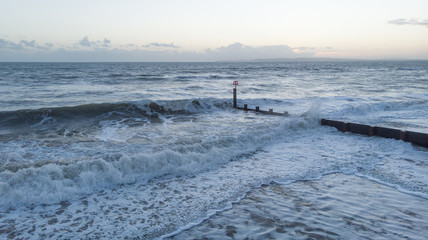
(185, 30)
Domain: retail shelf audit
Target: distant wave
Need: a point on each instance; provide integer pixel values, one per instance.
(145, 109)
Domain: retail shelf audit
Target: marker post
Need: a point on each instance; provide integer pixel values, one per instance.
(235, 83)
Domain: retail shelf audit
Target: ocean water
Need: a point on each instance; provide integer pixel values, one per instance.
(155, 150)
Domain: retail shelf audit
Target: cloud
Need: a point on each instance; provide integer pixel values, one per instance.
(33, 44)
(28, 44)
(159, 45)
(239, 51)
(102, 50)
(402, 21)
(4, 44)
(85, 42)
(106, 43)
(23, 44)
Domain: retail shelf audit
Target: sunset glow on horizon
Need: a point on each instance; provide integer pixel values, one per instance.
(192, 30)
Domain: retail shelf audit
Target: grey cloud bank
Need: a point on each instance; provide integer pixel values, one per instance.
(101, 51)
(402, 21)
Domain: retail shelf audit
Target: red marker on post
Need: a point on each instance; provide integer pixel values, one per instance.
(235, 83)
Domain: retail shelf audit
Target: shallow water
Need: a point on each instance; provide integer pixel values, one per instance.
(337, 206)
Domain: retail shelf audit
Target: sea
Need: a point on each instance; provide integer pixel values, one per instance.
(157, 151)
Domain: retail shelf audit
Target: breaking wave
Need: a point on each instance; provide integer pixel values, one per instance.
(53, 181)
(101, 111)
(160, 139)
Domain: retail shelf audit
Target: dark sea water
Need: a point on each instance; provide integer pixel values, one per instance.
(155, 150)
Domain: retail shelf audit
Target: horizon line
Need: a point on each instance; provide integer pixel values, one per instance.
(260, 60)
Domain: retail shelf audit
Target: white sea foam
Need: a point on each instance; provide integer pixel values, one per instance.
(57, 181)
(163, 205)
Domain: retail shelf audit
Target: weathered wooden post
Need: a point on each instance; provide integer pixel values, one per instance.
(235, 83)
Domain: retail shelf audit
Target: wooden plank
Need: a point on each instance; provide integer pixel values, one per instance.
(360, 129)
(420, 139)
(341, 126)
(388, 133)
(416, 138)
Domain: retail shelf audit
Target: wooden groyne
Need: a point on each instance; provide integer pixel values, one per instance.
(416, 138)
(257, 109)
(420, 139)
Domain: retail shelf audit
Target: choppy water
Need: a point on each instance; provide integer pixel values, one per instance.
(149, 150)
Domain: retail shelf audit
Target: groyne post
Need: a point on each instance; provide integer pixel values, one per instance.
(235, 105)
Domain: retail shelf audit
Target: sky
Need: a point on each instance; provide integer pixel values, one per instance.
(211, 30)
